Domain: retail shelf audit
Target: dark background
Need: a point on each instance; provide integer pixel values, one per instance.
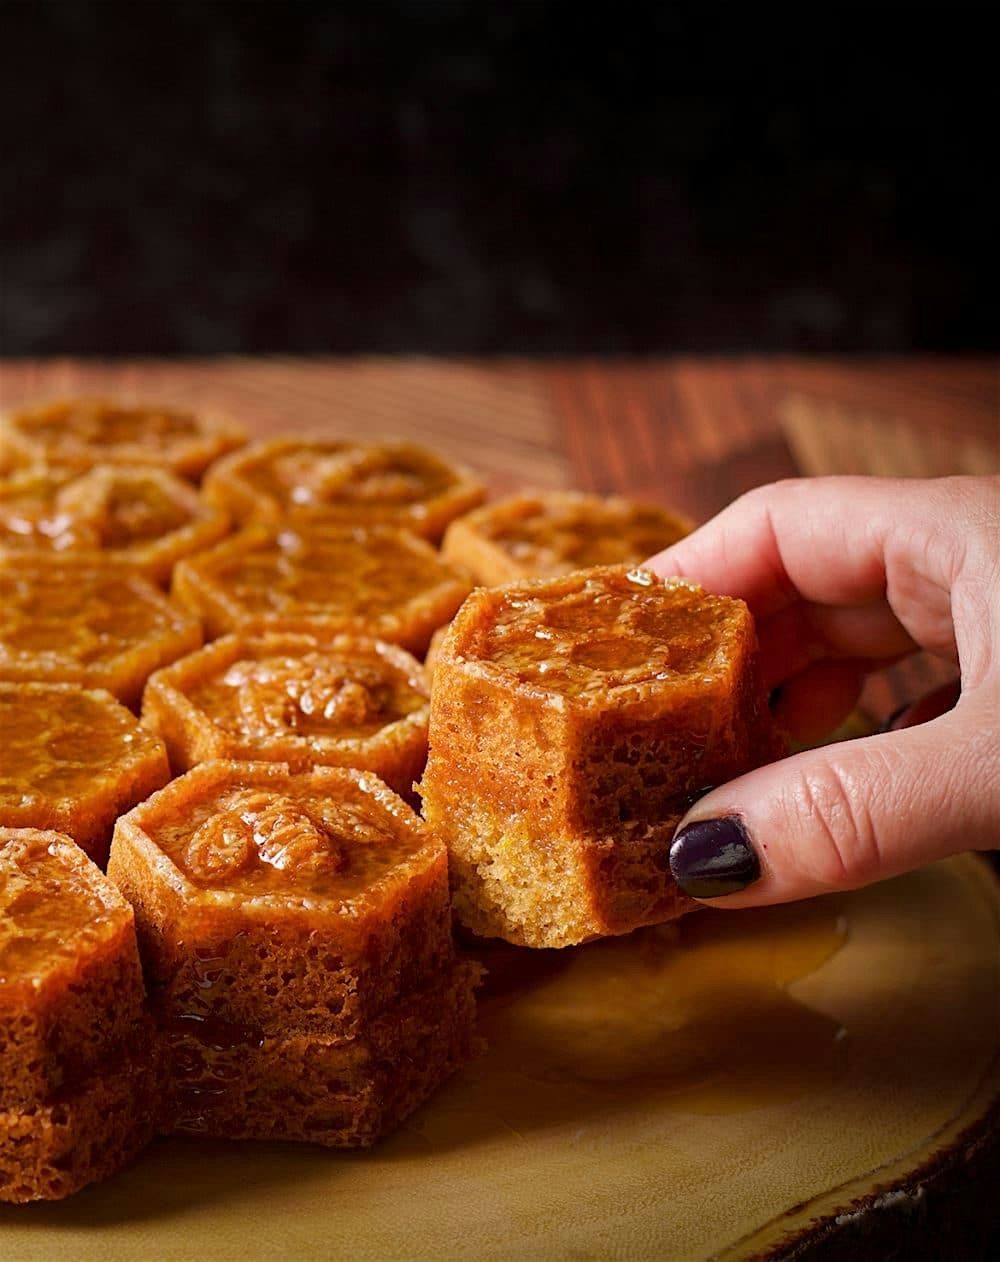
(444, 177)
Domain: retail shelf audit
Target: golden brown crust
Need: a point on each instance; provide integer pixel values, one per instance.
(548, 533)
(80, 433)
(340, 701)
(73, 760)
(560, 764)
(278, 941)
(145, 518)
(380, 582)
(343, 482)
(95, 626)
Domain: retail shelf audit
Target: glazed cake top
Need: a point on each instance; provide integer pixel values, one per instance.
(54, 905)
(81, 615)
(331, 836)
(326, 570)
(562, 531)
(60, 743)
(109, 507)
(277, 685)
(604, 629)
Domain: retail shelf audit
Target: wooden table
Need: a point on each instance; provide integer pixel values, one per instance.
(693, 433)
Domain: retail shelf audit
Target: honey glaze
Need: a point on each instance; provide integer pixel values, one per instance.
(696, 1015)
(608, 628)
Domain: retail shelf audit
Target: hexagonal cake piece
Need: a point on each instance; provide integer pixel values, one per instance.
(289, 923)
(73, 760)
(99, 626)
(344, 483)
(548, 533)
(571, 720)
(337, 701)
(145, 518)
(78, 1069)
(376, 582)
(80, 433)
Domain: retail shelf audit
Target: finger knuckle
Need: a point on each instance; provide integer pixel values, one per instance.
(839, 843)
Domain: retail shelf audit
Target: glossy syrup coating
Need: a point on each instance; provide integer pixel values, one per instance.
(73, 760)
(80, 433)
(297, 936)
(548, 533)
(344, 482)
(142, 517)
(288, 903)
(78, 1066)
(377, 582)
(572, 721)
(99, 626)
(302, 700)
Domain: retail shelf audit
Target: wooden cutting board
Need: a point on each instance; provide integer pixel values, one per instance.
(810, 1081)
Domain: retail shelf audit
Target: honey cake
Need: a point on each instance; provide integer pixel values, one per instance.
(377, 582)
(80, 433)
(302, 700)
(73, 761)
(548, 533)
(78, 1068)
(344, 483)
(283, 917)
(572, 720)
(97, 626)
(142, 517)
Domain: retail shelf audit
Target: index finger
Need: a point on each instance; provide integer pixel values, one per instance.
(816, 539)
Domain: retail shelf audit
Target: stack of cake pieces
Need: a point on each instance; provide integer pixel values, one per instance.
(293, 912)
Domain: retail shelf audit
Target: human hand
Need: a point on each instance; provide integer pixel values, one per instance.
(843, 576)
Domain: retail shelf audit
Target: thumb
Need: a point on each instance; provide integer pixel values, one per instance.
(845, 815)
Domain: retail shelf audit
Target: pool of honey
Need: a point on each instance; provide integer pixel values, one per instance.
(315, 694)
(363, 573)
(588, 634)
(49, 909)
(290, 841)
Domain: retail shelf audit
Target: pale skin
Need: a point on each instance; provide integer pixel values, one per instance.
(844, 575)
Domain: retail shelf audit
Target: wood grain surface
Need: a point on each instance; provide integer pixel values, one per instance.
(693, 433)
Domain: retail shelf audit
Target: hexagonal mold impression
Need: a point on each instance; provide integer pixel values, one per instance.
(336, 701)
(78, 1068)
(571, 721)
(377, 582)
(297, 937)
(345, 483)
(73, 760)
(549, 533)
(98, 626)
(145, 518)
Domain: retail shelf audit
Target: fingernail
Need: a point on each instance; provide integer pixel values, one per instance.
(714, 857)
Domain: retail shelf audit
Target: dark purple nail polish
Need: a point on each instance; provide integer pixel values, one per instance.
(714, 857)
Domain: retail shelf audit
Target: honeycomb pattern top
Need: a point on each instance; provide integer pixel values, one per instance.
(78, 623)
(555, 532)
(393, 483)
(379, 581)
(147, 518)
(601, 630)
(80, 433)
(55, 906)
